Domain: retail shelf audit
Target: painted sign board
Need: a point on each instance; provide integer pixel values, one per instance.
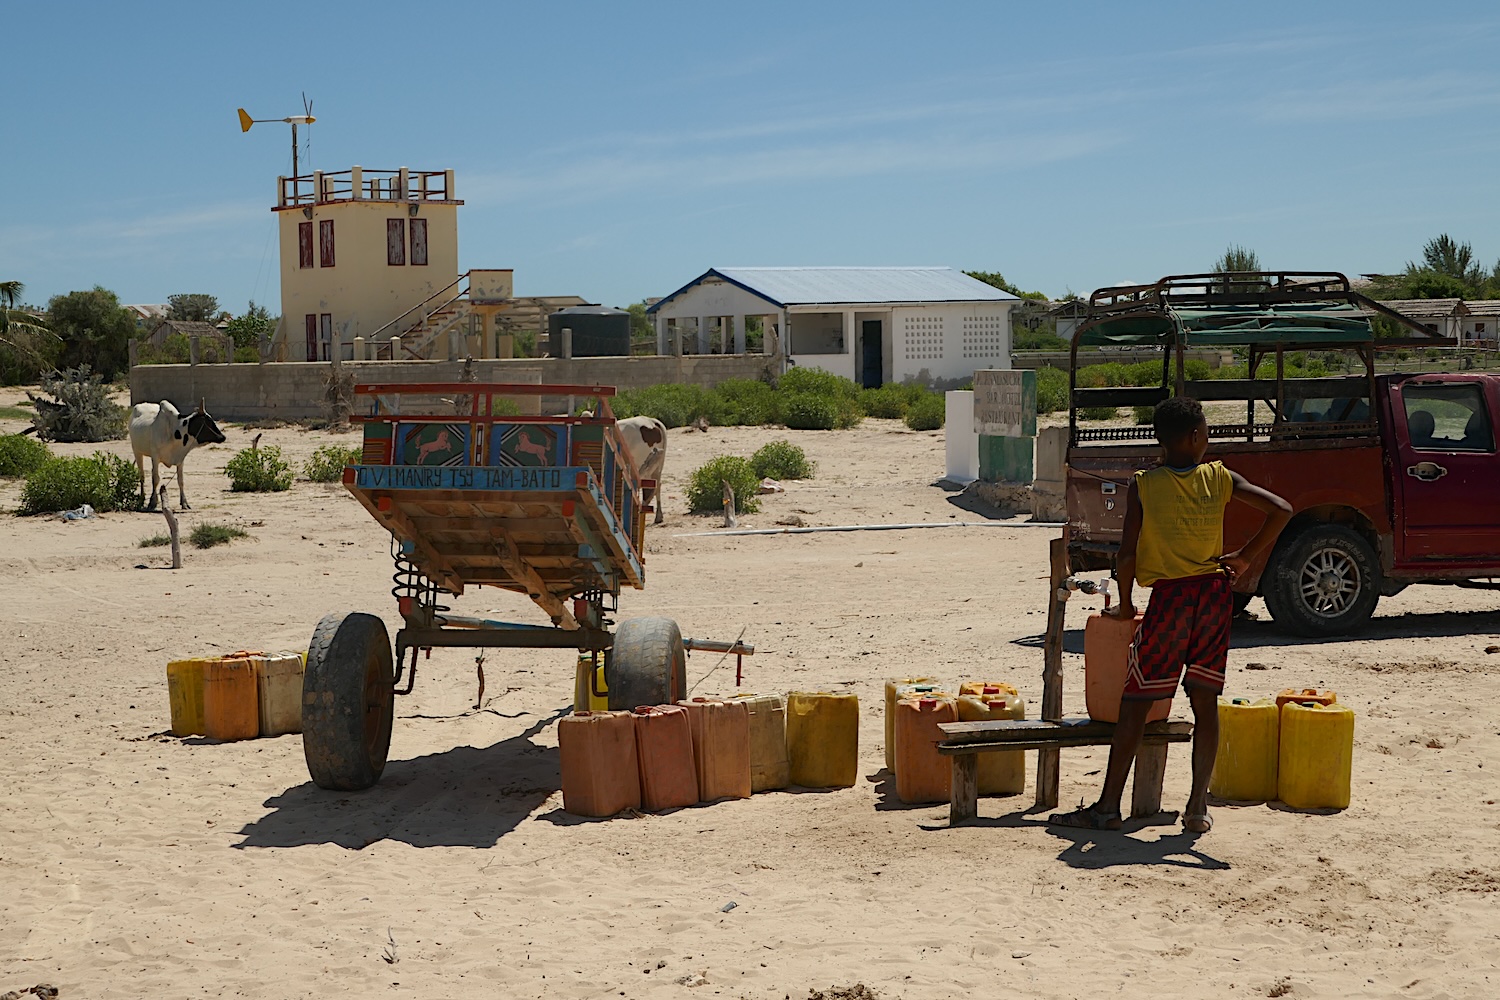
(1005, 403)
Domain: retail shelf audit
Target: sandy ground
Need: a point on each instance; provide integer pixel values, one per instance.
(137, 864)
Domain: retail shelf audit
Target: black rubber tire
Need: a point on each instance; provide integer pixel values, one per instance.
(647, 665)
(1322, 581)
(347, 702)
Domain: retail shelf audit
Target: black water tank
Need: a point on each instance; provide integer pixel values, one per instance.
(598, 331)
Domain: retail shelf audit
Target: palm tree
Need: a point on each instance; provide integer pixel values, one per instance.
(14, 322)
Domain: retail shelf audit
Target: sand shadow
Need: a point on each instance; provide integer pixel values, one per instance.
(1096, 849)
(464, 797)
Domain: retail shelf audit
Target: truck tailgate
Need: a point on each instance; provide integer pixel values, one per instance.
(1308, 475)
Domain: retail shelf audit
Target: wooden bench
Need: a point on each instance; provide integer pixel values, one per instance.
(967, 740)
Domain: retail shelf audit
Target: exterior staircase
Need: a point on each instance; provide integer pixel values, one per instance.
(427, 329)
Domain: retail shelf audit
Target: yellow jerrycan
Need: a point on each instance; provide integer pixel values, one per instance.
(769, 768)
(185, 696)
(981, 688)
(895, 690)
(1001, 772)
(590, 693)
(822, 738)
(1249, 736)
(1317, 755)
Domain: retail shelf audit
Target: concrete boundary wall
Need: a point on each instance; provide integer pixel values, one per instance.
(293, 390)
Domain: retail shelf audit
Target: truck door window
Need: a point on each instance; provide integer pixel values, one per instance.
(1448, 417)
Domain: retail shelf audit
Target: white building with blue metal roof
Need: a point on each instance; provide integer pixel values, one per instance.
(870, 324)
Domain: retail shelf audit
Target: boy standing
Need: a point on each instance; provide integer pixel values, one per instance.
(1174, 544)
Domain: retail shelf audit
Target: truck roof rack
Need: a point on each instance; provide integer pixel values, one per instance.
(1302, 309)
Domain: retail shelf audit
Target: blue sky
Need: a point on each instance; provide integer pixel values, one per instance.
(615, 151)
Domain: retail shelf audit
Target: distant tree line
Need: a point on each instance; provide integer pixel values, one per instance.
(92, 328)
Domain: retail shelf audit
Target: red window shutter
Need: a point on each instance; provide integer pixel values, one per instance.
(395, 242)
(304, 244)
(312, 332)
(325, 243)
(419, 242)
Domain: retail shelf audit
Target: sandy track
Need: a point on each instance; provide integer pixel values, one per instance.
(136, 863)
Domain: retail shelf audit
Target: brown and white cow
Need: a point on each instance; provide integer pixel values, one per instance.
(646, 441)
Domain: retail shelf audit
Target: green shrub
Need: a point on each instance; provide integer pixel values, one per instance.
(1051, 390)
(846, 413)
(80, 408)
(206, 535)
(781, 460)
(745, 401)
(705, 491)
(1196, 369)
(1144, 414)
(154, 542)
(674, 405)
(817, 382)
(104, 482)
(327, 463)
(890, 401)
(805, 412)
(927, 413)
(259, 470)
(504, 406)
(21, 455)
(1098, 413)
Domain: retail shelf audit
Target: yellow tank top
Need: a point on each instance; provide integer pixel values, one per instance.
(1182, 521)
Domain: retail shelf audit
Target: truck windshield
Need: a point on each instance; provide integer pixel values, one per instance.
(1448, 417)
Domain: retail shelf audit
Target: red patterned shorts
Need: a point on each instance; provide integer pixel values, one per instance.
(1186, 624)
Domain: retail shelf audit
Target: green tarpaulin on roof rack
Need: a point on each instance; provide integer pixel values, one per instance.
(1225, 326)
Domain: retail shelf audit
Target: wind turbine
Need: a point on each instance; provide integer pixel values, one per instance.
(306, 118)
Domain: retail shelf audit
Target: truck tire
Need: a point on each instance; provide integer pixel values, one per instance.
(647, 665)
(347, 702)
(1322, 581)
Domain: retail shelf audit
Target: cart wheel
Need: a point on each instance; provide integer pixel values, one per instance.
(347, 701)
(647, 665)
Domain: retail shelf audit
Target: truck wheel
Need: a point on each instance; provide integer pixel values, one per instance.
(647, 665)
(1323, 581)
(347, 702)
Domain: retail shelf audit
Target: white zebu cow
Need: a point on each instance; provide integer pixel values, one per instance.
(646, 440)
(158, 430)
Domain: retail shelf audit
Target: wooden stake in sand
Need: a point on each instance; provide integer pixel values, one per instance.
(171, 527)
(729, 520)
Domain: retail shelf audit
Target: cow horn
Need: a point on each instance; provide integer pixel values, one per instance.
(201, 401)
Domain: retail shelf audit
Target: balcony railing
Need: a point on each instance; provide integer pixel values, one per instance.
(360, 184)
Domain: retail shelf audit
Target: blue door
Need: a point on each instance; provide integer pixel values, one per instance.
(873, 361)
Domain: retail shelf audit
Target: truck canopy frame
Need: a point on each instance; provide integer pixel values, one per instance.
(1269, 312)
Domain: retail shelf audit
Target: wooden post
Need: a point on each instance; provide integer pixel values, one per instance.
(171, 525)
(1047, 759)
(963, 803)
(1150, 770)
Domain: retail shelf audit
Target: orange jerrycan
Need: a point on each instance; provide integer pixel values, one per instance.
(721, 747)
(1317, 755)
(1001, 772)
(822, 738)
(664, 751)
(894, 690)
(1106, 652)
(278, 679)
(600, 774)
(185, 696)
(231, 698)
(1305, 695)
(923, 774)
(769, 768)
(1249, 738)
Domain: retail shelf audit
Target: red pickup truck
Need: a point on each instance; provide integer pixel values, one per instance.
(1393, 479)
